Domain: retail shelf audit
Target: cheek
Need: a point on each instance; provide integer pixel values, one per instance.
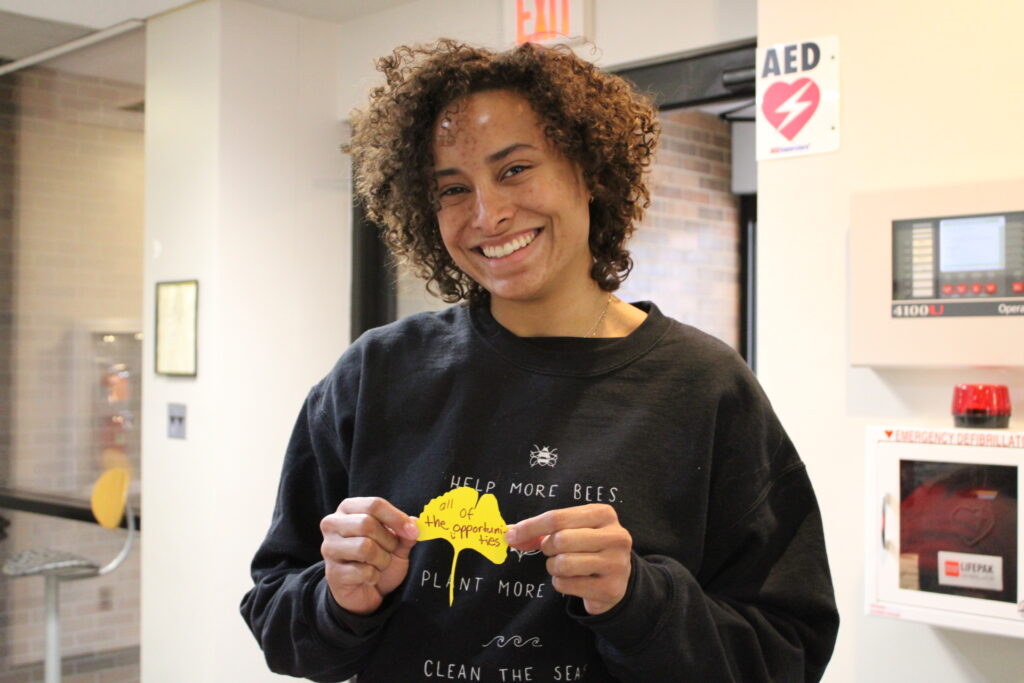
(576, 209)
(448, 227)
(445, 225)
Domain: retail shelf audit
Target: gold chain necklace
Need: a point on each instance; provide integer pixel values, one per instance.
(607, 305)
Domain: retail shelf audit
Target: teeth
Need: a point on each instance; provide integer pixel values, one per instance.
(509, 247)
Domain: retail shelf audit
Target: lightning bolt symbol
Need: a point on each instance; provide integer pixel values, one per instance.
(793, 107)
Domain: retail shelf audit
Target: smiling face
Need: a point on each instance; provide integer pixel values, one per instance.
(513, 209)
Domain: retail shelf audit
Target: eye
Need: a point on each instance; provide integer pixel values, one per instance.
(515, 169)
(451, 191)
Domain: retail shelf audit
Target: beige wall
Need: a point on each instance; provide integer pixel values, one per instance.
(929, 98)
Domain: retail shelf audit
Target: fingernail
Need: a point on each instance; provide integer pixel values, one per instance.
(412, 531)
(510, 535)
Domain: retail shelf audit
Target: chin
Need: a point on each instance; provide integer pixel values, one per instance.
(514, 289)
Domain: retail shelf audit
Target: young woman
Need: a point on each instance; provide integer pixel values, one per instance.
(662, 526)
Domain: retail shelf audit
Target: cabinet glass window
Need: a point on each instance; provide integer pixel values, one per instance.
(958, 529)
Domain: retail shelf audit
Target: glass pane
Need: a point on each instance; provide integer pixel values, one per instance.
(958, 529)
(71, 258)
(72, 276)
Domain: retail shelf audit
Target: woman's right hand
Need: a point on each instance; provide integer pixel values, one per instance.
(366, 551)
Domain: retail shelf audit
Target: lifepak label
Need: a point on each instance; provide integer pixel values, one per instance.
(965, 570)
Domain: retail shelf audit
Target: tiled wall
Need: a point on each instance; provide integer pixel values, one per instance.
(71, 178)
(687, 251)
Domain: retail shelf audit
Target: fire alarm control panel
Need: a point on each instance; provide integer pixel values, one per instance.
(937, 276)
(958, 265)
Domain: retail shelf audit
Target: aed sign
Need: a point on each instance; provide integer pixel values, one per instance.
(798, 98)
(546, 22)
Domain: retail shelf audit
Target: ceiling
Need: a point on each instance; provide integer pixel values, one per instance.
(28, 27)
(331, 10)
(121, 58)
(21, 36)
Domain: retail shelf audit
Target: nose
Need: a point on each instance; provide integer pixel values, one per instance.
(491, 209)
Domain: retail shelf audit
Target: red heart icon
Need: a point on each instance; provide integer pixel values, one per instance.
(888, 433)
(788, 106)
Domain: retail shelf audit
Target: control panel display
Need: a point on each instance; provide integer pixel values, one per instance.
(958, 266)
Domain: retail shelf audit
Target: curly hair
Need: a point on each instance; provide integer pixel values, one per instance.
(594, 118)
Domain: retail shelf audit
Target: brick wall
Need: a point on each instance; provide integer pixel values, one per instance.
(686, 252)
(72, 171)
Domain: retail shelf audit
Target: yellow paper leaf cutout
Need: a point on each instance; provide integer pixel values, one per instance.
(466, 520)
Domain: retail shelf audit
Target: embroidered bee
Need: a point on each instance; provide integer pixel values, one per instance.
(545, 457)
(524, 553)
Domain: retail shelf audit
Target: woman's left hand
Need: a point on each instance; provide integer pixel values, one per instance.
(588, 551)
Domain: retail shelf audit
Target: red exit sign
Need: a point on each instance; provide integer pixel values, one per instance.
(546, 21)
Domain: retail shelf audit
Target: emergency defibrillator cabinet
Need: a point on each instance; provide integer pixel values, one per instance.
(943, 542)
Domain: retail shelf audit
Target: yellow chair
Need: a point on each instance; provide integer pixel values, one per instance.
(109, 504)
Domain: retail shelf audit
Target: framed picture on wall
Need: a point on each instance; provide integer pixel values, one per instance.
(177, 315)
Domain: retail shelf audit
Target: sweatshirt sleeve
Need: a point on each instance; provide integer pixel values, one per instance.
(300, 628)
(760, 606)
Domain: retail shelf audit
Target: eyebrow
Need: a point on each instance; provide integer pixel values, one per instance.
(497, 156)
(502, 153)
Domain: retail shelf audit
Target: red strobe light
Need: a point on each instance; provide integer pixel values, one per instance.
(981, 405)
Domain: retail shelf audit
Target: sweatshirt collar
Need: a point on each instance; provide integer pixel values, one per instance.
(569, 356)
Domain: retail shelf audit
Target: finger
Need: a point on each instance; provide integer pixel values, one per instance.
(589, 588)
(384, 512)
(363, 550)
(580, 564)
(359, 525)
(613, 538)
(404, 547)
(352, 574)
(579, 517)
(527, 545)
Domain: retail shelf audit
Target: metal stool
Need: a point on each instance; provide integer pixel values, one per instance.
(109, 504)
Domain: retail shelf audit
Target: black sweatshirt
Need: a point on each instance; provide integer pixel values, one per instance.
(729, 579)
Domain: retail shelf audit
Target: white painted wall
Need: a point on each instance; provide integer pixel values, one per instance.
(245, 191)
(927, 101)
(182, 214)
(649, 30)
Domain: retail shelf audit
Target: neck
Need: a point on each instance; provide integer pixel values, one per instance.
(563, 314)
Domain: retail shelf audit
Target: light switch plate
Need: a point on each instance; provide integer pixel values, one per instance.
(176, 420)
